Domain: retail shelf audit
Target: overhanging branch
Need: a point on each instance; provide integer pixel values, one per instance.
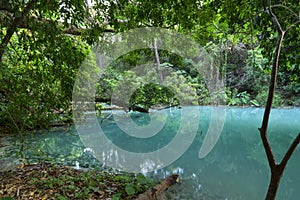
(17, 21)
(79, 31)
(287, 8)
(71, 30)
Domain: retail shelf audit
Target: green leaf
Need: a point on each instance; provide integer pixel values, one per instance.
(116, 196)
(130, 190)
(143, 180)
(254, 102)
(166, 64)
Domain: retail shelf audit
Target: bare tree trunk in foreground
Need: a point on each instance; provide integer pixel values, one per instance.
(276, 169)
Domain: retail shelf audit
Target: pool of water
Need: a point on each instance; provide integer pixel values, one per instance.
(236, 167)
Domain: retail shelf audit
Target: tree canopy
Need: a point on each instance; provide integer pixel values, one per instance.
(43, 43)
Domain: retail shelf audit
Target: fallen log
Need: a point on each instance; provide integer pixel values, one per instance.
(165, 107)
(155, 192)
(139, 108)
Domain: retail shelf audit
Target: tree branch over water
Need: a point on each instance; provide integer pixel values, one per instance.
(276, 169)
(290, 151)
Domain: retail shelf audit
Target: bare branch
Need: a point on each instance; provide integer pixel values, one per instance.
(264, 128)
(287, 8)
(292, 25)
(72, 30)
(289, 152)
(263, 5)
(274, 18)
(276, 170)
(272, 82)
(79, 31)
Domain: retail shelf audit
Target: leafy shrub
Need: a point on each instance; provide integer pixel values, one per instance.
(262, 96)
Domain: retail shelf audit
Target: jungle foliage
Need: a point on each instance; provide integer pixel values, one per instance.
(43, 43)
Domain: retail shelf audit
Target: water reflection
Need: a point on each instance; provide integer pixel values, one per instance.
(235, 169)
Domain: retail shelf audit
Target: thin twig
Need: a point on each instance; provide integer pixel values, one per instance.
(287, 8)
(274, 18)
(292, 25)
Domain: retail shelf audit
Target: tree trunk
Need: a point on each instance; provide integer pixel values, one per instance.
(276, 169)
(158, 62)
(273, 185)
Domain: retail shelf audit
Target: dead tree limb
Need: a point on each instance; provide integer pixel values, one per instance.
(159, 189)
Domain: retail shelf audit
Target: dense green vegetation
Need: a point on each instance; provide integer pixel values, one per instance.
(44, 42)
(246, 73)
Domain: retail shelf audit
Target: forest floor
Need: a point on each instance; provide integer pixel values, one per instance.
(47, 181)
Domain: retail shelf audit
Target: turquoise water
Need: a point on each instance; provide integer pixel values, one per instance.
(236, 168)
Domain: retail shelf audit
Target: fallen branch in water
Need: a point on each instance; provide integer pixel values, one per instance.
(159, 189)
